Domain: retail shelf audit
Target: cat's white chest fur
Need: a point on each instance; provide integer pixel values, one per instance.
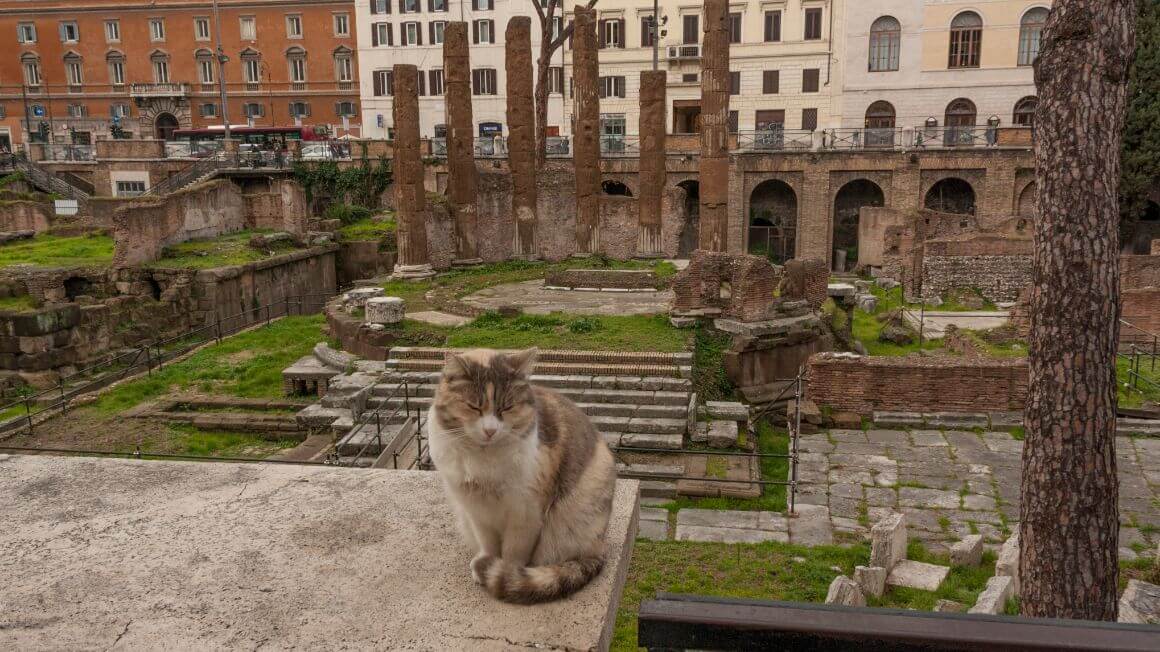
(498, 473)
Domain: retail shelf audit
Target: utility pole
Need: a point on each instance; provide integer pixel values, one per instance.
(656, 32)
(222, 59)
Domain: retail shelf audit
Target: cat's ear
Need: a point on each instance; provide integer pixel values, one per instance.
(454, 365)
(524, 361)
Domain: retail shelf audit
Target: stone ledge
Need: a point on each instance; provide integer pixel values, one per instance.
(163, 554)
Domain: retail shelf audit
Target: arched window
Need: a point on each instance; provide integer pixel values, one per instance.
(1025, 111)
(885, 44)
(205, 65)
(880, 115)
(1030, 33)
(160, 61)
(966, 40)
(296, 58)
(961, 113)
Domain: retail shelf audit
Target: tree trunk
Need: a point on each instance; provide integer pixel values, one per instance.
(1069, 523)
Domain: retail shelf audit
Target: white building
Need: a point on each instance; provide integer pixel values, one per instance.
(411, 31)
(910, 63)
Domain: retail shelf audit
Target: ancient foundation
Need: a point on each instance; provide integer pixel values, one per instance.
(652, 161)
(521, 134)
(463, 178)
(587, 131)
(410, 195)
(714, 169)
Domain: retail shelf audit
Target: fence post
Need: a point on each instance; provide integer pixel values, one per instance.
(148, 361)
(28, 414)
(63, 405)
(793, 460)
(217, 324)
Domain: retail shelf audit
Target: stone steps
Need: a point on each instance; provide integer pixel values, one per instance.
(565, 368)
(566, 356)
(591, 409)
(627, 382)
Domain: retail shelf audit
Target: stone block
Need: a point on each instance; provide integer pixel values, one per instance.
(993, 599)
(866, 302)
(871, 579)
(917, 575)
(1140, 603)
(385, 310)
(898, 419)
(845, 591)
(968, 552)
(357, 298)
(727, 410)
(888, 541)
(1008, 562)
(722, 434)
(963, 420)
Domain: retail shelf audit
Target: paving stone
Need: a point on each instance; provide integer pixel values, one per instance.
(1008, 562)
(722, 434)
(859, 448)
(949, 607)
(977, 502)
(850, 476)
(968, 552)
(845, 507)
(654, 514)
(845, 591)
(956, 420)
(1140, 603)
(846, 490)
(928, 438)
(922, 519)
(652, 530)
(898, 419)
(436, 318)
(871, 579)
(810, 526)
(728, 534)
(917, 575)
(887, 437)
(839, 435)
(881, 497)
(993, 599)
(731, 518)
(928, 498)
(847, 525)
(888, 541)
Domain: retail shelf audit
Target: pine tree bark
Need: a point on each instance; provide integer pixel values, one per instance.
(1069, 519)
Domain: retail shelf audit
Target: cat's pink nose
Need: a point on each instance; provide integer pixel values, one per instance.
(489, 432)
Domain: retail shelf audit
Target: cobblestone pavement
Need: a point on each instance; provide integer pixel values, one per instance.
(954, 483)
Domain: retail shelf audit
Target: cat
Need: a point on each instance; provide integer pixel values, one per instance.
(528, 476)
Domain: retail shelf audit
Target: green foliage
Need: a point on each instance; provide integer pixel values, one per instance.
(347, 214)
(360, 185)
(188, 440)
(21, 303)
(232, 249)
(561, 331)
(771, 441)
(1141, 151)
(382, 228)
(56, 251)
(709, 378)
(11, 178)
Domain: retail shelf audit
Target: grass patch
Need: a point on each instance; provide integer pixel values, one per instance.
(561, 331)
(248, 365)
(56, 251)
(772, 499)
(187, 440)
(22, 303)
(709, 378)
(1145, 392)
(371, 228)
(232, 249)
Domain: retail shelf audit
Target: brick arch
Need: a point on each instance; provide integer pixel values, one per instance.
(1025, 200)
(630, 181)
(750, 183)
(155, 107)
(975, 177)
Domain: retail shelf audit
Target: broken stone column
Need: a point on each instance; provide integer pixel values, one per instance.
(871, 579)
(462, 175)
(586, 153)
(410, 195)
(652, 161)
(387, 311)
(968, 552)
(845, 591)
(521, 133)
(888, 541)
(714, 167)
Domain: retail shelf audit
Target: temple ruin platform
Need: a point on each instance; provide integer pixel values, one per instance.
(103, 553)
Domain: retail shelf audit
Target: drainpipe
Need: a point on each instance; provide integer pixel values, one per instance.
(830, 45)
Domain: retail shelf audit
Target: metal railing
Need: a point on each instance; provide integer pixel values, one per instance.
(775, 140)
(185, 149)
(619, 145)
(856, 139)
(201, 169)
(953, 137)
(68, 152)
(42, 178)
(491, 147)
(558, 146)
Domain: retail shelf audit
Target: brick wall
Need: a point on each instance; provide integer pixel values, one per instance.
(1141, 308)
(142, 229)
(864, 384)
(1139, 271)
(21, 215)
(998, 278)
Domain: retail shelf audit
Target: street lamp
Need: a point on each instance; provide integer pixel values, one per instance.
(222, 59)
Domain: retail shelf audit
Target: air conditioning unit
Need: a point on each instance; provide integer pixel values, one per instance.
(689, 51)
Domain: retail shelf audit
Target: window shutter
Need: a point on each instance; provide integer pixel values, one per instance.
(431, 33)
(291, 110)
(60, 28)
(377, 82)
(402, 6)
(390, 34)
(422, 84)
(603, 87)
(475, 32)
(418, 33)
(386, 6)
(338, 108)
(602, 35)
(375, 35)
(620, 34)
(374, 7)
(430, 5)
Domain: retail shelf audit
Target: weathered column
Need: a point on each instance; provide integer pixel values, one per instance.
(586, 155)
(652, 161)
(714, 169)
(410, 196)
(462, 175)
(521, 133)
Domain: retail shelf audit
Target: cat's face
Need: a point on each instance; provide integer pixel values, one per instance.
(484, 397)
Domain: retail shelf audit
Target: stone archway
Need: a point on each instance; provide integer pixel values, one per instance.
(154, 108)
(951, 195)
(164, 125)
(847, 203)
(687, 243)
(773, 218)
(1026, 206)
(614, 187)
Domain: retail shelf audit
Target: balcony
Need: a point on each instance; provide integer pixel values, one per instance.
(689, 52)
(167, 89)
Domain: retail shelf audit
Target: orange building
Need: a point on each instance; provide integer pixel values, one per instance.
(79, 69)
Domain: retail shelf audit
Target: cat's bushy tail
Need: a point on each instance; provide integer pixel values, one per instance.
(532, 584)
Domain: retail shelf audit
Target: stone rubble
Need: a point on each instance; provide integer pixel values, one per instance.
(968, 552)
(1140, 603)
(385, 310)
(917, 575)
(1008, 562)
(993, 599)
(888, 542)
(871, 579)
(845, 591)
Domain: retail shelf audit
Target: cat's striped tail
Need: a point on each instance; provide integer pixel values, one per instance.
(532, 584)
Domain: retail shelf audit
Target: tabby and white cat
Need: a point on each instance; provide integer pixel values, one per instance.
(530, 479)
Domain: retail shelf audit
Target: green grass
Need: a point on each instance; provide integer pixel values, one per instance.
(369, 229)
(769, 571)
(232, 249)
(1144, 392)
(772, 498)
(560, 331)
(22, 303)
(56, 251)
(709, 378)
(247, 365)
(187, 440)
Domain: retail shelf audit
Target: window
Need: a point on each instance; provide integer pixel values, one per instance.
(251, 66)
(112, 31)
(156, 29)
(382, 34)
(612, 86)
(813, 31)
(880, 115)
(770, 81)
(556, 80)
(885, 44)
(299, 109)
(1030, 34)
(810, 80)
(116, 62)
(207, 110)
(411, 34)
(160, 67)
(408, 6)
(809, 119)
(345, 109)
(689, 78)
(293, 26)
(1025, 111)
(733, 119)
(735, 82)
(612, 33)
(69, 32)
(343, 66)
(383, 82)
(966, 40)
(296, 58)
(769, 120)
(130, 188)
(341, 25)
(201, 28)
(772, 26)
(380, 6)
(691, 29)
(960, 113)
(77, 110)
(483, 5)
(483, 31)
(31, 65)
(483, 81)
(437, 5)
(646, 35)
(26, 33)
(253, 110)
(118, 110)
(73, 70)
(437, 27)
(248, 28)
(204, 66)
(557, 26)
(421, 84)
(735, 27)
(435, 78)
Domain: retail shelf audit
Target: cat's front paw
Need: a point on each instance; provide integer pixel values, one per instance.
(479, 566)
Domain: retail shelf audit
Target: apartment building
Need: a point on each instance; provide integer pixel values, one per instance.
(941, 63)
(73, 70)
(411, 32)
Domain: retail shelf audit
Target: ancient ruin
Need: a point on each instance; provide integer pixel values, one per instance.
(462, 176)
(410, 193)
(521, 134)
(586, 136)
(714, 166)
(652, 161)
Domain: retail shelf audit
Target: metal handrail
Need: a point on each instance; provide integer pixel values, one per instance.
(203, 167)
